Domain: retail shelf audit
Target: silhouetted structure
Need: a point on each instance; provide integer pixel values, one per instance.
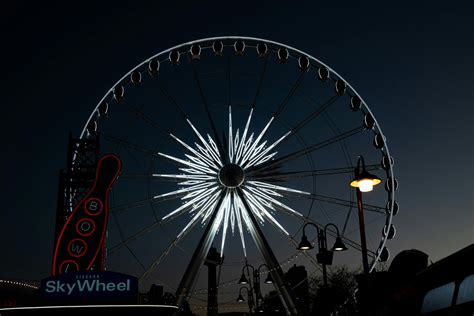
(447, 286)
(298, 280)
(155, 294)
(272, 304)
(393, 292)
(411, 287)
(341, 286)
(213, 259)
(75, 181)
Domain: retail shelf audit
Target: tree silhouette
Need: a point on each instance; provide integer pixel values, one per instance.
(341, 286)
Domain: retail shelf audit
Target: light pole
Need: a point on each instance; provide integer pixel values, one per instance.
(363, 182)
(240, 298)
(254, 281)
(258, 292)
(324, 256)
(249, 281)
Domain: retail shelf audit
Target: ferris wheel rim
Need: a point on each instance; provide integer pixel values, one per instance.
(376, 126)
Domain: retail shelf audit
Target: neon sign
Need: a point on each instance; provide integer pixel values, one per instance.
(83, 236)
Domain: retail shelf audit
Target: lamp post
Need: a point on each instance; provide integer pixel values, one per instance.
(254, 281)
(258, 292)
(324, 256)
(240, 298)
(250, 281)
(363, 182)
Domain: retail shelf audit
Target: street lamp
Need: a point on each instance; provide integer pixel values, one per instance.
(363, 182)
(324, 256)
(243, 280)
(268, 279)
(241, 299)
(258, 292)
(254, 281)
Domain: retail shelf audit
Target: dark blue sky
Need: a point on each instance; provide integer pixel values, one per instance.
(412, 64)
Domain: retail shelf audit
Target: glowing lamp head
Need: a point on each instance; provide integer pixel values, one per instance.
(240, 298)
(363, 180)
(304, 244)
(243, 279)
(339, 245)
(269, 279)
(365, 185)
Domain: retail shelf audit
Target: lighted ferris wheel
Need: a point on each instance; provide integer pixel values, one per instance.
(236, 136)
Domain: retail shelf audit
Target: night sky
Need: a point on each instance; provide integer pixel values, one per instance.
(412, 63)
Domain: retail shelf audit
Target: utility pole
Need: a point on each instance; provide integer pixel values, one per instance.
(213, 259)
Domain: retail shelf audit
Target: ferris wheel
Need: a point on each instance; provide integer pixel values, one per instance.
(237, 143)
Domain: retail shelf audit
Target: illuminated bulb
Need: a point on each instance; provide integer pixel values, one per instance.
(366, 185)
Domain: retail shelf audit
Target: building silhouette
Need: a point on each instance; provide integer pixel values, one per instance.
(297, 278)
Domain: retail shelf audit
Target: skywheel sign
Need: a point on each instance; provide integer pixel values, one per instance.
(91, 285)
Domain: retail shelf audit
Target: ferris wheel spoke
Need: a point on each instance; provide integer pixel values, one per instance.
(310, 149)
(240, 146)
(122, 142)
(290, 94)
(158, 260)
(346, 222)
(220, 145)
(178, 238)
(212, 149)
(126, 245)
(190, 205)
(342, 202)
(229, 85)
(203, 159)
(260, 81)
(280, 176)
(192, 165)
(273, 202)
(141, 233)
(181, 177)
(294, 131)
(251, 151)
(130, 205)
(186, 119)
(209, 206)
(272, 188)
(259, 206)
(173, 101)
(200, 164)
(255, 206)
(262, 157)
(356, 245)
(147, 119)
(207, 150)
(159, 198)
(126, 206)
(166, 177)
(315, 114)
(231, 138)
(150, 228)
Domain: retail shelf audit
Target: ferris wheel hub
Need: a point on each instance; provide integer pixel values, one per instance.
(231, 175)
